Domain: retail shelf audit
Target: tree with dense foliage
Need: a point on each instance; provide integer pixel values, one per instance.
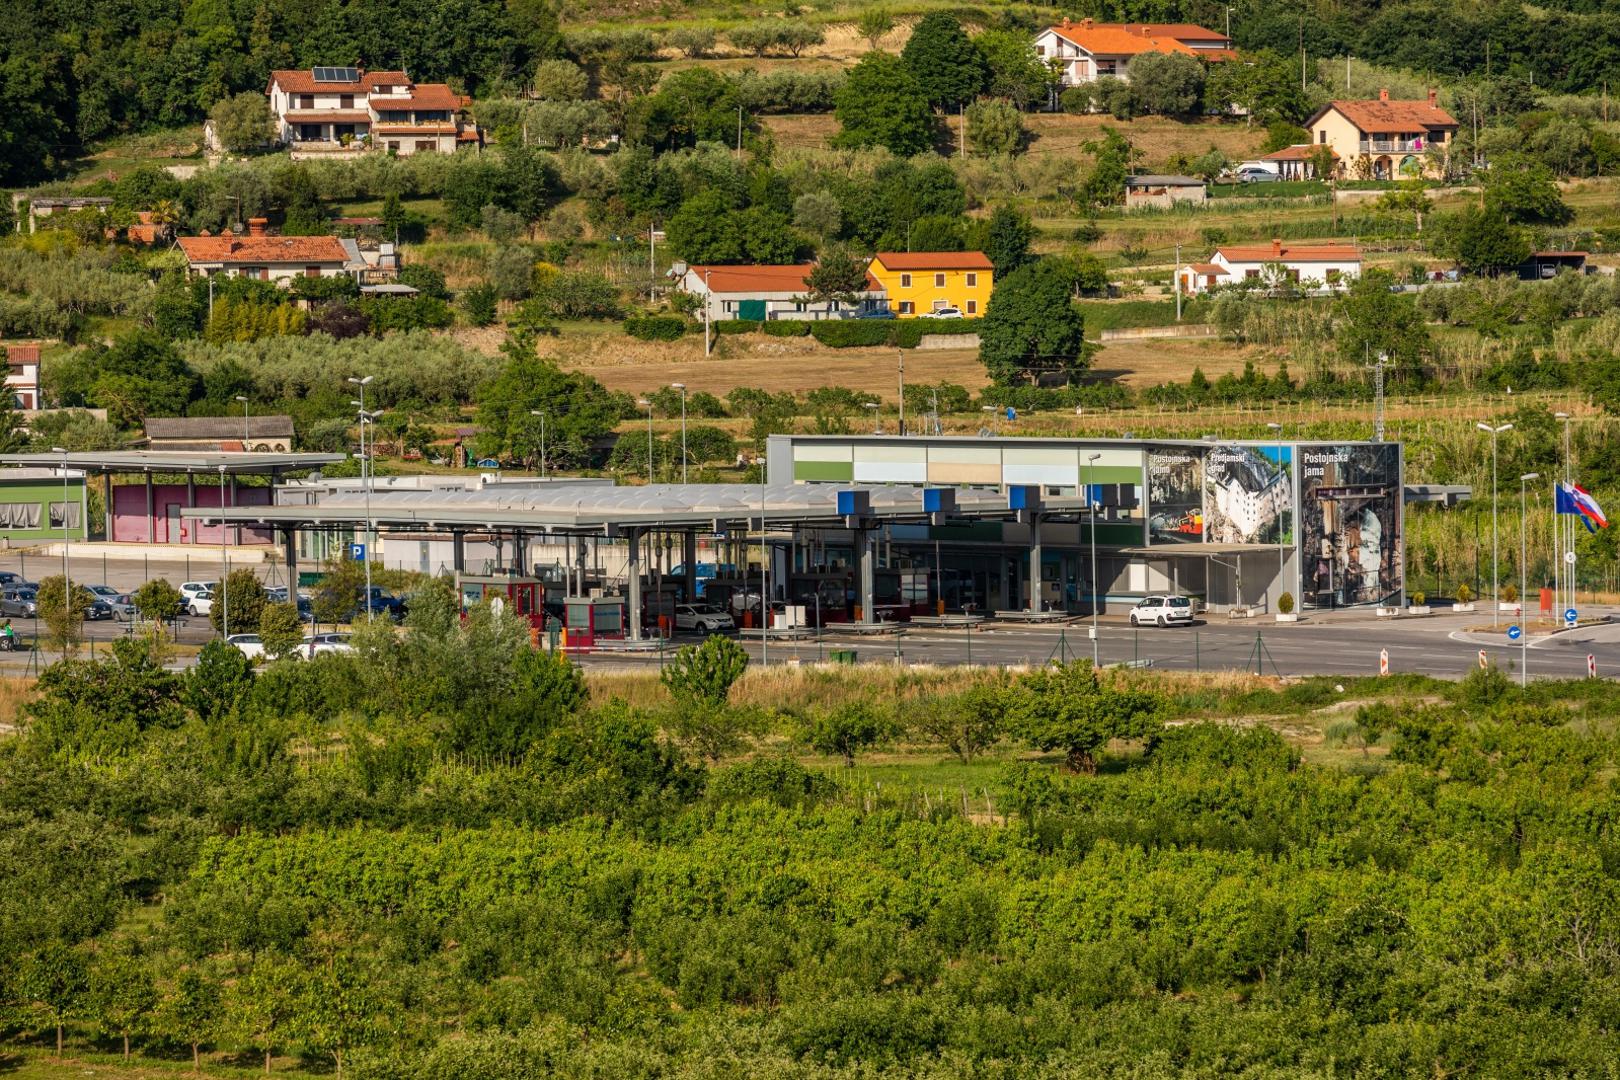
(281, 629)
(242, 599)
(700, 680)
(1068, 707)
(948, 67)
(62, 610)
(1166, 84)
(1524, 192)
(844, 730)
(1373, 322)
(1005, 236)
(578, 409)
(1032, 324)
(121, 993)
(873, 24)
(1263, 86)
(994, 127)
(882, 104)
(1016, 73)
(243, 122)
(157, 600)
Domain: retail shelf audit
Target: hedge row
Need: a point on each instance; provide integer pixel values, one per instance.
(899, 333)
(655, 327)
(782, 328)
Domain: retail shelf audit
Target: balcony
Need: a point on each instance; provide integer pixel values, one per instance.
(1394, 146)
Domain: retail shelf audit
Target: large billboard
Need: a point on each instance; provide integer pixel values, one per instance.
(1175, 496)
(1248, 494)
(1350, 507)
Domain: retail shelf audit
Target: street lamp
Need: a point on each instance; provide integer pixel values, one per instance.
(1091, 518)
(1281, 551)
(877, 425)
(541, 413)
(224, 564)
(244, 402)
(682, 388)
(67, 583)
(649, 405)
(1496, 600)
(365, 480)
(1524, 555)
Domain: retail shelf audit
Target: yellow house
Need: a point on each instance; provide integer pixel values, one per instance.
(921, 283)
(1385, 139)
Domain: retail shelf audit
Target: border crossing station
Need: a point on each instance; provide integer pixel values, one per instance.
(863, 531)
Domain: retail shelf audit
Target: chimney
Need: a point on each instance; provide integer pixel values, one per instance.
(1276, 248)
(1383, 93)
(256, 225)
(1066, 22)
(1432, 93)
(225, 234)
(1086, 23)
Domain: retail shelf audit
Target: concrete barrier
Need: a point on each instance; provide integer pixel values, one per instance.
(1143, 333)
(948, 341)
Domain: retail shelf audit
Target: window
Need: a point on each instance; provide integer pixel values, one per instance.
(907, 307)
(426, 145)
(1333, 274)
(728, 306)
(972, 307)
(19, 515)
(346, 101)
(1040, 50)
(306, 101)
(312, 271)
(1293, 274)
(1321, 136)
(393, 146)
(72, 510)
(972, 280)
(905, 281)
(939, 281)
(1251, 273)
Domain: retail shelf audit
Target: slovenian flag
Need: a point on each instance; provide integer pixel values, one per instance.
(1572, 499)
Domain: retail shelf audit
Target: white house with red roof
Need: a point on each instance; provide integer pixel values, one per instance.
(266, 258)
(1084, 51)
(332, 109)
(1309, 266)
(764, 293)
(22, 373)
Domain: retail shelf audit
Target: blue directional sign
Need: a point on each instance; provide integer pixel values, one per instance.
(357, 551)
(1514, 633)
(1569, 616)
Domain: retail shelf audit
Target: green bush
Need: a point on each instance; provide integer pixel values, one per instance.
(655, 327)
(736, 326)
(779, 328)
(850, 333)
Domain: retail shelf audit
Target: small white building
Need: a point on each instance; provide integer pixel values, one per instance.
(342, 109)
(764, 293)
(264, 257)
(1084, 51)
(22, 375)
(1308, 266)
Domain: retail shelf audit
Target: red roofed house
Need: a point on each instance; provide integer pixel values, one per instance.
(22, 374)
(329, 109)
(769, 292)
(1318, 266)
(922, 283)
(1384, 139)
(267, 258)
(1297, 162)
(1085, 51)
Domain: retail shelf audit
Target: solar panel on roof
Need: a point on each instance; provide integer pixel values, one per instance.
(336, 74)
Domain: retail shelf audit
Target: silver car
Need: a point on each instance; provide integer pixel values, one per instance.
(22, 603)
(122, 604)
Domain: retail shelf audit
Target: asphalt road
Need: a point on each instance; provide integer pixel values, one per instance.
(1442, 645)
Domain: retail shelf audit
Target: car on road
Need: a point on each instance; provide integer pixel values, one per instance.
(316, 644)
(944, 313)
(189, 589)
(1254, 174)
(98, 610)
(199, 604)
(20, 601)
(1163, 609)
(251, 645)
(122, 604)
(874, 313)
(703, 618)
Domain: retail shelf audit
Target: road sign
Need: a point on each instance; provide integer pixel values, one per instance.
(1591, 666)
(1514, 633)
(1569, 616)
(357, 551)
(1483, 662)
(1383, 661)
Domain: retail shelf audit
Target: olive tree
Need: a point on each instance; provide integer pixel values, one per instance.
(1067, 707)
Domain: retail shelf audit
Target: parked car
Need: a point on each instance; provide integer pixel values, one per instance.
(1163, 610)
(20, 601)
(122, 604)
(252, 645)
(943, 313)
(382, 602)
(703, 618)
(874, 313)
(195, 588)
(97, 610)
(1254, 174)
(315, 644)
(199, 604)
(8, 580)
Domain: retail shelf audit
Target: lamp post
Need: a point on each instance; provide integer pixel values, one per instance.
(1496, 600)
(244, 401)
(682, 388)
(708, 302)
(224, 565)
(365, 480)
(1091, 519)
(1281, 550)
(1524, 555)
(877, 425)
(67, 583)
(541, 413)
(649, 406)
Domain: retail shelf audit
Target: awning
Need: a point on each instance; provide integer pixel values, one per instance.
(1197, 551)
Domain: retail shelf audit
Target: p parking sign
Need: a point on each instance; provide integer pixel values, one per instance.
(357, 552)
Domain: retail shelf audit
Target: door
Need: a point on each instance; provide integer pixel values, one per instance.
(751, 309)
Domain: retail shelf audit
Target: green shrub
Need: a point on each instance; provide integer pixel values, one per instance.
(780, 328)
(655, 327)
(850, 333)
(736, 326)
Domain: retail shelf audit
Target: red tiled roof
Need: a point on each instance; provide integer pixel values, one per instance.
(1298, 152)
(1113, 39)
(1390, 117)
(1292, 253)
(263, 249)
(17, 355)
(743, 279)
(413, 129)
(1179, 31)
(1206, 268)
(423, 96)
(329, 116)
(933, 260)
(303, 82)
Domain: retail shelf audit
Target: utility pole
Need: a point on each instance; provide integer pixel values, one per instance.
(1177, 282)
(1494, 431)
(901, 355)
(708, 302)
(739, 133)
(1524, 555)
(961, 129)
(365, 477)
